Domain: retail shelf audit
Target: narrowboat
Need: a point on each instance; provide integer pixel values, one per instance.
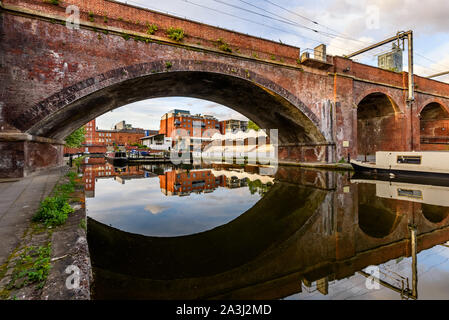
(417, 164)
(116, 157)
(422, 193)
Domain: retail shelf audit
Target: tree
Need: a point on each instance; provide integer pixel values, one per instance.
(252, 125)
(76, 138)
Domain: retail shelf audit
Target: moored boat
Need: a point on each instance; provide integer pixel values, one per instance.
(422, 193)
(116, 157)
(394, 164)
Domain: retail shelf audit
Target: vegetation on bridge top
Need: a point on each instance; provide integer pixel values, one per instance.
(176, 34)
(54, 2)
(151, 28)
(223, 45)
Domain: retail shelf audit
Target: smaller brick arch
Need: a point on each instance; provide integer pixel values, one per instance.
(433, 118)
(432, 101)
(377, 222)
(378, 128)
(435, 215)
(376, 90)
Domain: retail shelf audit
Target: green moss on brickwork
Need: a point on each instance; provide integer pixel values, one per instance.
(176, 34)
(151, 28)
(53, 2)
(223, 45)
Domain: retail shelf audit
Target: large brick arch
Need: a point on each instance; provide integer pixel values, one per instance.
(247, 92)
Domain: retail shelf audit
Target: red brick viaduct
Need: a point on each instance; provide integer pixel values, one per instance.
(55, 79)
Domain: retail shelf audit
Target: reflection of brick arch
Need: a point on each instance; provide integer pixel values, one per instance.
(366, 242)
(398, 221)
(442, 222)
(382, 90)
(433, 100)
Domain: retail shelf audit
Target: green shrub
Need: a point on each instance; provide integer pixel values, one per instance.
(151, 28)
(72, 176)
(33, 265)
(176, 34)
(65, 189)
(223, 46)
(53, 211)
(54, 2)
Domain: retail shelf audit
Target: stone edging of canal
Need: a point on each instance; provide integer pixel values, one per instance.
(62, 251)
(318, 165)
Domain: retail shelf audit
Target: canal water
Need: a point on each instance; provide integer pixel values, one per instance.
(232, 231)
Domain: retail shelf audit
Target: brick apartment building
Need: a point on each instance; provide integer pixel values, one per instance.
(173, 121)
(183, 183)
(97, 140)
(96, 168)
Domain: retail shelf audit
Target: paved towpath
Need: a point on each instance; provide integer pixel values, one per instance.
(19, 200)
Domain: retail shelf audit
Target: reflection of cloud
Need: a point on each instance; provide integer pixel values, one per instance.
(155, 209)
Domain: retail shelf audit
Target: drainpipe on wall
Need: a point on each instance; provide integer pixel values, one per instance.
(411, 84)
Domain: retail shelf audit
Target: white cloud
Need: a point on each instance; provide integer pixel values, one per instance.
(147, 113)
(156, 209)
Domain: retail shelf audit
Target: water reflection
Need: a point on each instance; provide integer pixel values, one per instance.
(168, 201)
(304, 234)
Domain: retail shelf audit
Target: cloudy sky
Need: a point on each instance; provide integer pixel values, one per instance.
(344, 25)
